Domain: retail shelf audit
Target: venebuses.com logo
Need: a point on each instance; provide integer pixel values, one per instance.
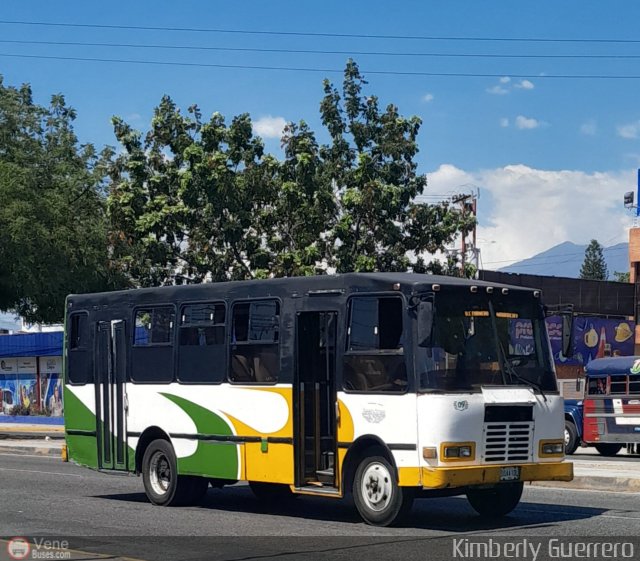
(38, 548)
(18, 548)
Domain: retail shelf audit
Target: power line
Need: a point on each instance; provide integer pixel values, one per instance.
(323, 51)
(320, 34)
(331, 70)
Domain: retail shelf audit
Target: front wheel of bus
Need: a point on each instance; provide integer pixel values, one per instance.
(608, 449)
(162, 483)
(497, 501)
(376, 494)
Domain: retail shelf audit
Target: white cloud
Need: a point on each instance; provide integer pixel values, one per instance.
(269, 127)
(524, 85)
(527, 123)
(505, 80)
(589, 128)
(523, 211)
(497, 90)
(427, 98)
(504, 122)
(133, 117)
(629, 131)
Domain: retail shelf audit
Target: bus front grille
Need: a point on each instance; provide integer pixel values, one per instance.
(508, 442)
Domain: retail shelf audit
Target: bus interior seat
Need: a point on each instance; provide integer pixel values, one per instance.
(240, 368)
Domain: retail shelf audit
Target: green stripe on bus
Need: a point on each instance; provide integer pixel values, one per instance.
(211, 459)
(77, 416)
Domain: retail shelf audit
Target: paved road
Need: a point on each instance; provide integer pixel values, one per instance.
(43, 496)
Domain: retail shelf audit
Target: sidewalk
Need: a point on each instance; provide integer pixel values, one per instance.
(620, 473)
(32, 439)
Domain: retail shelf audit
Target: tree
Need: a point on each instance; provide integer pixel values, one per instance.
(594, 266)
(53, 228)
(621, 276)
(195, 201)
(370, 161)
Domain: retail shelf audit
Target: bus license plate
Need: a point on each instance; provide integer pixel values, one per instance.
(510, 473)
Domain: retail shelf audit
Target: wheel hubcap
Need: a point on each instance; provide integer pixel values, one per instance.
(376, 487)
(566, 437)
(160, 473)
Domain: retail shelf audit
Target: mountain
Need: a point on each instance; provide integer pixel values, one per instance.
(565, 260)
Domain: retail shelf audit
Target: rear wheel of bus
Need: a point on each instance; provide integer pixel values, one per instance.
(162, 483)
(608, 449)
(496, 501)
(377, 495)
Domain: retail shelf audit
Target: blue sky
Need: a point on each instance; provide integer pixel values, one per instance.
(551, 156)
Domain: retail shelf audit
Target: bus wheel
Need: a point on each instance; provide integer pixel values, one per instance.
(608, 449)
(376, 494)
(162, 483)
(570, 438)
(497, 501)
(271, 492)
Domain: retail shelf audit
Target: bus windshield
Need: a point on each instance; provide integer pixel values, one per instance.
(481, 340)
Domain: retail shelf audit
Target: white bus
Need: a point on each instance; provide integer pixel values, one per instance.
(390, 386)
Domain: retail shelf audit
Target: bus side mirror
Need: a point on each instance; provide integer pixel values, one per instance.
(567, 335)
(425, 323)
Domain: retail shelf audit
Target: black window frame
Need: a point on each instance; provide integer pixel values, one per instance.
(88, 348)
(402, 351)
(224, 344)
(169, 345)
(248, 343)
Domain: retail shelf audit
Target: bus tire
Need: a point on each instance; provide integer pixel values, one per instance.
(378, 497)
(271, 492)
(570, 437)
(497, 501)
(608, 449)
(162, 484)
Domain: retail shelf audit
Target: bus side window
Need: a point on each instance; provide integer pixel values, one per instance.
(618, 385)
(374, 358)
(255, 348)
(202, 347)
(152, 350)
(634, 386)
(79, 358)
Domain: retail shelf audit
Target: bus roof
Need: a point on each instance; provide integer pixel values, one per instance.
(613, 365)
(368, 281)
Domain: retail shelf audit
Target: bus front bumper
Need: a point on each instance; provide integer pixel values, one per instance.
(450, 477)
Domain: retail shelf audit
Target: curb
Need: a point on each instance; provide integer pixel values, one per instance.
(595, 483)
(46, 451)
(31, 435)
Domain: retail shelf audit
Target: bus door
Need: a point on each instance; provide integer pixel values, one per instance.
(315, 401)
(110, 395)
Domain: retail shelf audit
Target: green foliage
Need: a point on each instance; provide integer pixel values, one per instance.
(53, 228)
(370, 161)
(194, 201)
(594, 266)
(621, 277)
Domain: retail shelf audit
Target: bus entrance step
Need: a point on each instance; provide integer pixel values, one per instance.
(313, 490)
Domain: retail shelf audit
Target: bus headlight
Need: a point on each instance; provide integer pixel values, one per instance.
(457, 451)
(551, 448)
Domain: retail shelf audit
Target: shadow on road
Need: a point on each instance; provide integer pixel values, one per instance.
(452, 514)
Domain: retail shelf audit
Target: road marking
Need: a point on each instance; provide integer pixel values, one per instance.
(44, 472)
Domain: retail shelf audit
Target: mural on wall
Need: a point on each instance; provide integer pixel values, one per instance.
(19, 391)
(593, 337)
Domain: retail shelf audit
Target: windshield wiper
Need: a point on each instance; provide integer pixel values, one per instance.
(514, 374)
